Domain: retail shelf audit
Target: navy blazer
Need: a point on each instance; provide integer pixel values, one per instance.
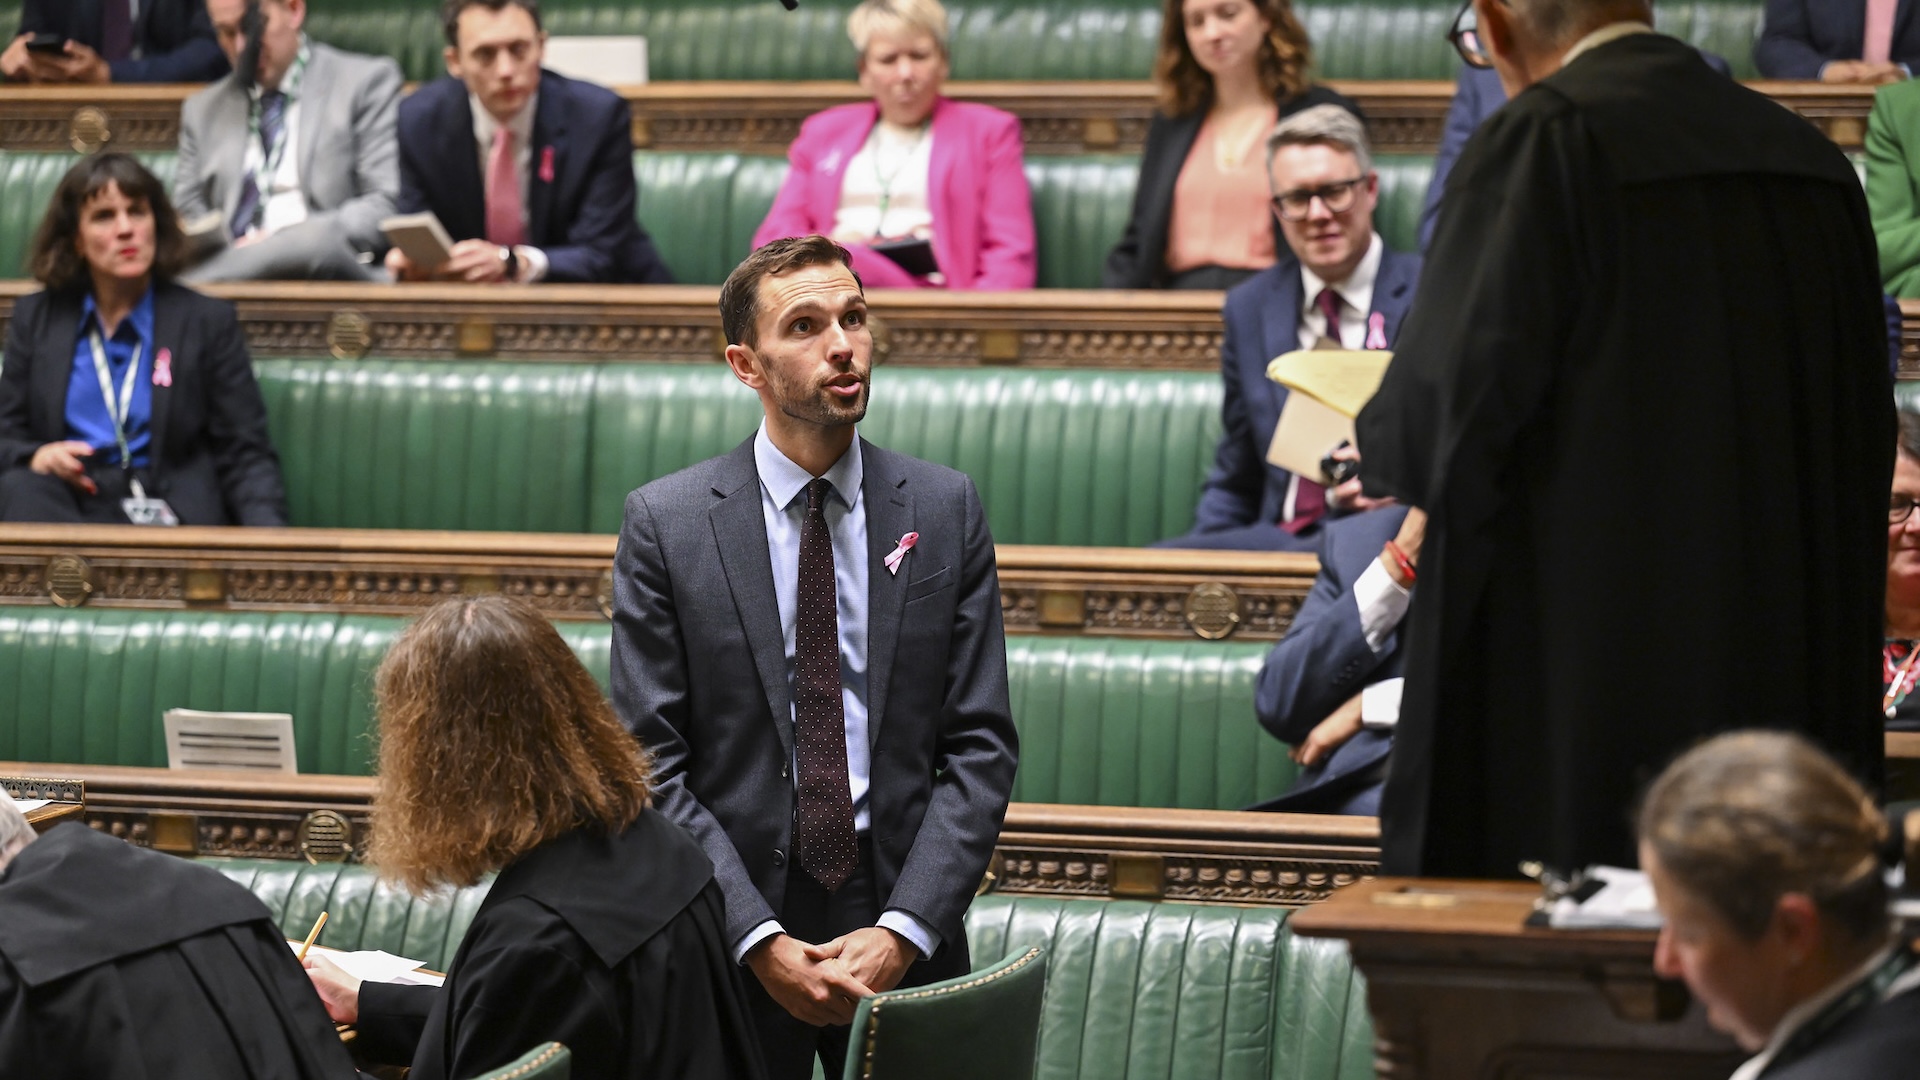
(1799, 36)
(174, 38)
(1322, 662)
(1262, 317)
(210, 457)
(700, 675)
(580, 212)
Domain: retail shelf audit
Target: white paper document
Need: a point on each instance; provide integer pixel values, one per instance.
(28, 806)
(376, 966)
(1625, 902)
(254, 742)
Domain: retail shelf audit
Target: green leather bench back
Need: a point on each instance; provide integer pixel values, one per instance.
(1103, 721)
(1060, 457)
(702, 207)
(1135, 991)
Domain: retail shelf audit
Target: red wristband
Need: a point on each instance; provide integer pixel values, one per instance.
(1400, 559)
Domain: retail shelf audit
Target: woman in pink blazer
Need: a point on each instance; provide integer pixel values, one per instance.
(910, 164)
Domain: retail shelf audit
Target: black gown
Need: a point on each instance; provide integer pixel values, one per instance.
(614, 946)
(1643, 395)
(123, 963)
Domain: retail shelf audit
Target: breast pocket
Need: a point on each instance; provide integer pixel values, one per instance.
(932, 583)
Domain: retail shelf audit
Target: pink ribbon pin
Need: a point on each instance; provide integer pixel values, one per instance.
(546, 165)
(163, 368)
(900, 552)
(1376, 331)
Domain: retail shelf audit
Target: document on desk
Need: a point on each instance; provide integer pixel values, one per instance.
(1623, 901)
(376, 966)
(257, 742)
(28, 806)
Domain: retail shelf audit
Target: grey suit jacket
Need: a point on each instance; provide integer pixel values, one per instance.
(700, 675)
(348, 158)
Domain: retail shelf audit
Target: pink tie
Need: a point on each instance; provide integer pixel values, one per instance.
(1878, 46)
(503, 192)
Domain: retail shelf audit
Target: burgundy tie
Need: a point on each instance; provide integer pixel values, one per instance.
(116, 31)
(823, 830)
(1309, 497)
(503, 192)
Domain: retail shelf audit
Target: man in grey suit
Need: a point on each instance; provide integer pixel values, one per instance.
(807, 639)
(297, 157)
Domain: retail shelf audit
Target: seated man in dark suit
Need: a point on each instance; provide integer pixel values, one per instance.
(1843, 41)
(1321, 171)
(116, 961)
(530, 172)
(122, 41)
(1331, 688)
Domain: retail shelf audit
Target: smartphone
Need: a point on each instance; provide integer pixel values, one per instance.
(46, 42)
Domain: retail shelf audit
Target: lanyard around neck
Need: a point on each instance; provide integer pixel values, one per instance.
(118, 405)
(885, 180)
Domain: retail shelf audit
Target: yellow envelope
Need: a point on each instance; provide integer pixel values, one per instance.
(1328, 389)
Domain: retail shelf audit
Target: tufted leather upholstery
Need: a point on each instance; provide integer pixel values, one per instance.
(703, 207)
(982, 1024)
(1102, 720)
(557, 447)
(1135, 991)
(991, 39)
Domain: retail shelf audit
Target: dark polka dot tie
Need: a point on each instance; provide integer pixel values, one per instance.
(823, 826)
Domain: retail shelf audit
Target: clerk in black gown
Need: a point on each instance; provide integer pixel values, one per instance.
(116, 961)
(604, 929)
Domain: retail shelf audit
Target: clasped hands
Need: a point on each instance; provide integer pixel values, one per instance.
(822, 984)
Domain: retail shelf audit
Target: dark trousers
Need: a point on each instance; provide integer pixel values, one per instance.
(814, 915)
(26, 495)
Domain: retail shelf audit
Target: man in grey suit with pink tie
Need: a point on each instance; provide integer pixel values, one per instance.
(807, 638)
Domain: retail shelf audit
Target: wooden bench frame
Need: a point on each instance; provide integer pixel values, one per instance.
(1127, 592)
(1201, 856)
(1065, 117)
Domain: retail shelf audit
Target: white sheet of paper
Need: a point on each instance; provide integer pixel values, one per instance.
(609, 59)
(1626, 902)
(377, 966)
(257, 742)
(28, 806)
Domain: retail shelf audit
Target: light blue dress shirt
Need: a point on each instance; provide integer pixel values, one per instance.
(88, 420)
(783, 505)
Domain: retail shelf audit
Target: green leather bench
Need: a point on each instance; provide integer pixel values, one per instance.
(1104, 721)
(702, 207)
(991, 39)
(1060, 457)
(1135, 991)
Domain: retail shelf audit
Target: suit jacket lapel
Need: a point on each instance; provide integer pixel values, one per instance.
(740, 533)
(167, 334)
(1280, 330)
(889, 517)
(316, 104)
(1902, 15)
(466, 199)
(549, 133)
(1397, 278)
(227, 156)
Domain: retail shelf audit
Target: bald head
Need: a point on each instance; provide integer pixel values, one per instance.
(15, 833)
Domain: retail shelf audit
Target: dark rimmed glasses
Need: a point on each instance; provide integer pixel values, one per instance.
(1295, 205)
(1465, 36)
(1899, 509)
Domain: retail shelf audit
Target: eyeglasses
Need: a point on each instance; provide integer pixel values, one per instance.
(1295, 205)
(1465, 36)
(1899, 508)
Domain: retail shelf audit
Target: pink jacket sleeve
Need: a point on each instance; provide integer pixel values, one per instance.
(1007, 259)
(792, 214)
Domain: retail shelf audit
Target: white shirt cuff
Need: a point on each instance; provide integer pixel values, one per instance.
(1380, 703)
(910, 927)
(1383, 603)
(754, 937)
(533, 263)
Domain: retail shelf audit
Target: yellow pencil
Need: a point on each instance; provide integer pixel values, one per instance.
(318, 923)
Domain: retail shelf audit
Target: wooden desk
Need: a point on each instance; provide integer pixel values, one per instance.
(1903, 765)
(1201, 856)
(67, 796)
(1459, 987)
(1405, 116)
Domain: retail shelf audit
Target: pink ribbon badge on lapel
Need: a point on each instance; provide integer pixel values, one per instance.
(163, 368)
(546, 165)
(1376, 331)
(900, 552)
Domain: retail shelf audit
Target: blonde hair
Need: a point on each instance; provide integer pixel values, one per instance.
(1322, 125)
(1748, 817)
(493, 740)
(915, 16)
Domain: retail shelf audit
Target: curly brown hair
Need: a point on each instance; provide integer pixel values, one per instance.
(53, 259)
(493, 740)
(1185, 86)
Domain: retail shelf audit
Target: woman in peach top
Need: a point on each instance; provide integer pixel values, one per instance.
(1227, 71)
